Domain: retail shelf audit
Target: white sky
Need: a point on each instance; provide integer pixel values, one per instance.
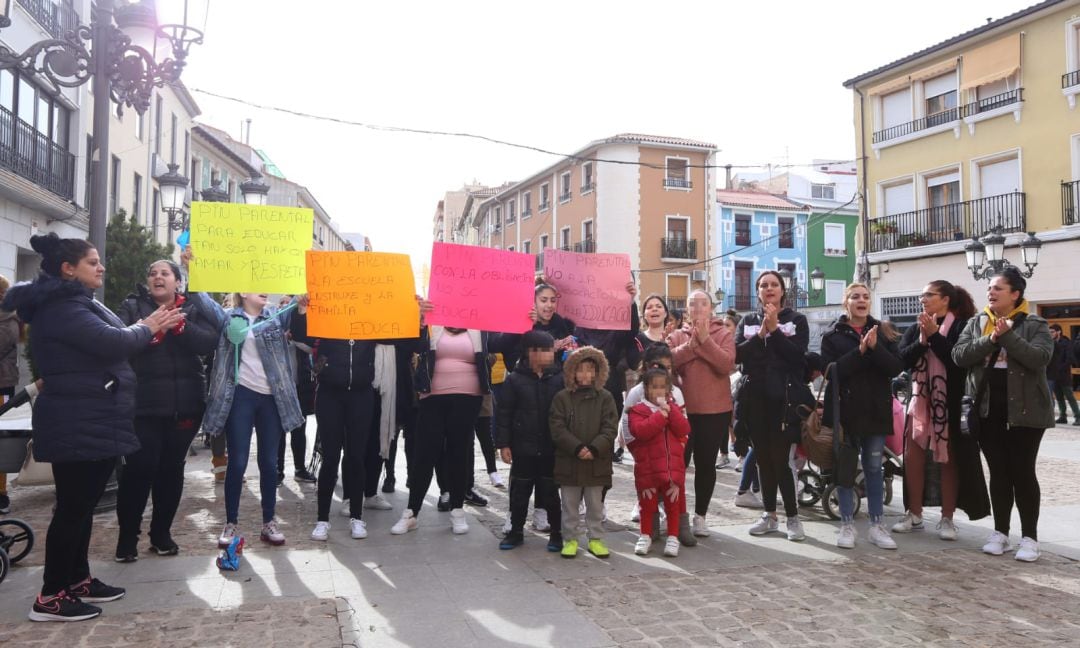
(762, 80)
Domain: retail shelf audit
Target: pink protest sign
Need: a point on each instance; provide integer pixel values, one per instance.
(592, 288)
(480, 288)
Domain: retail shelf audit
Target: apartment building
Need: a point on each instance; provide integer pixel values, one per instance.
(642, 195)
(977, 131)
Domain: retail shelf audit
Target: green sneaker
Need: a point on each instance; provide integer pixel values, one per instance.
(569, 549)
(598, 549)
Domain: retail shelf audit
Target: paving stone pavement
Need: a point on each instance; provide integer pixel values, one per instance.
(433, 588)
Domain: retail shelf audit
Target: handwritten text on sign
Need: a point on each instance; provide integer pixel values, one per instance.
(592, 287)
(361, 296)
(481, 288)
(249, 248)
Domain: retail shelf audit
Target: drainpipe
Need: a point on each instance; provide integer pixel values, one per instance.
(864, 272)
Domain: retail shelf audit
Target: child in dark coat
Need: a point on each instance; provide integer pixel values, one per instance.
(524, 439)
(660, 430)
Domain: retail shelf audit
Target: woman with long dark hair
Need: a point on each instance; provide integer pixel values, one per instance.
(934, 413)
(83, 419)
(1006, 349)
(771, 347)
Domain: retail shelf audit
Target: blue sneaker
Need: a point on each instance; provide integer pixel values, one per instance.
(512, 540)
(555, 543)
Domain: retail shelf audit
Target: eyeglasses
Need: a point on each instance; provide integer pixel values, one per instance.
(928, 295)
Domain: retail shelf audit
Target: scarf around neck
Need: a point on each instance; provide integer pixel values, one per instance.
(929, 409)
(992, 318)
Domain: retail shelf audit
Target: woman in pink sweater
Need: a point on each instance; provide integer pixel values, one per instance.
(704, 355)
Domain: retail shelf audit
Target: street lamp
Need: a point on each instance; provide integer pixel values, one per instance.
(986, 258)
(254, 190)
(793, 294)
(121, 58)
(214, 193)
(173, 192)
(817, 281)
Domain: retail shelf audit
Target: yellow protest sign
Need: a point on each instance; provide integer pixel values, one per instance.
(249, 248)
(361, 296)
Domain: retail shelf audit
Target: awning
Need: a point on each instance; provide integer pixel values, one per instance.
(899, 83)
(991, 62)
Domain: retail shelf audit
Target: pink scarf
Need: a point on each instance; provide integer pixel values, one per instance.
(929, 408)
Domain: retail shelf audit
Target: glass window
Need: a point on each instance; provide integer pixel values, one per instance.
(742, 229)
(787, 232)
(7, 90)
(26, 101)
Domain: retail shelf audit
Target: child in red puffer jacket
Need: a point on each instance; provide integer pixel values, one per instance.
(660, 430)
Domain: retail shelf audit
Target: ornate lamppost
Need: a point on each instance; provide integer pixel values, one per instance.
(986, 258)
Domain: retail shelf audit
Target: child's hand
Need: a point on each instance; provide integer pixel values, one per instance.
(506, 456)
(584, 454)
(673, 492)
(665, 408)
(648, 493)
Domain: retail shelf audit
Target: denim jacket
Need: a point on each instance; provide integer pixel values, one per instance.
(278, 360)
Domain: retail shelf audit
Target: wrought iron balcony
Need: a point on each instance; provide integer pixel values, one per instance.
(587, 187)
(1069, 79)
(32, 155)
(588, 245)
(955, 222)
(678, 248)
(564, 197)
(544, 206)
(996, 101)
(1070, 202)
(954, 114)
(678, 183)
(525, 213)
(57, 19)
(676, 303)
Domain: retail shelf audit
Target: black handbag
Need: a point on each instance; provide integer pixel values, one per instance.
(847, 454)
(969, 407)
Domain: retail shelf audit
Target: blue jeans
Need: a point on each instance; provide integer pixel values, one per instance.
(872, 453)
(250, 409)
(749, 478)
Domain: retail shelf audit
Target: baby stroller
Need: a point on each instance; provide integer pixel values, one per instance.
(16, 536)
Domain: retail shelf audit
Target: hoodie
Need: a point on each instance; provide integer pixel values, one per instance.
(80, 349)
(584, 416)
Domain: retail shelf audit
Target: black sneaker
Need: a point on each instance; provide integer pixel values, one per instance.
(555, 543)
(1060, 419)
(280, 478)
(165, 547)
(5, 503)
(474, 498)
(388, 485)
(62, 607)
(513, 540)
(444, 503)
(127, 549)
(305, 476)
(92, 590)
(616, 458)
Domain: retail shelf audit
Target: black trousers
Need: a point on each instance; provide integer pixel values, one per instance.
(772, 449)
(445, 424)
(155, 470)
(79, 485)
(298, 441)
(526, 474)
(708, 433)
(344, 420)
(1010, 453)
(373, 463)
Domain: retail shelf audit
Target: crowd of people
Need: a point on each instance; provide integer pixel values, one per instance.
(554, 403)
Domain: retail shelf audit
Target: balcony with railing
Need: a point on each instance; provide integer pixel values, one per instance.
(946, 117)
(1070, 79)
(57, 19)
(676, 303)
(1070, 203)
(678, 183)
(32, 155)
(992, 103)
(954, 222)
(678, 248)
(588, 245)
(544, 206)
(564, 197)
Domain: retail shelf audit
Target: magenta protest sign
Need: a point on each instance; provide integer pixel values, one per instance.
(592, 288)
(480, 288)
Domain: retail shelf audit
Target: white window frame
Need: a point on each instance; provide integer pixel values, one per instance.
(526, 246)
(924, 180)
(588, 221)
(1001, 156)
(1072, 58)
(918, 111)
(511, 211)
(735, 230)
(835, 252)
(526, 205)
(879, 206)
(686, 177)
(586, 189)
(564, 234)
(543, 207)
(822, 187)
(667, 282)
(835, 284)
(569, 184)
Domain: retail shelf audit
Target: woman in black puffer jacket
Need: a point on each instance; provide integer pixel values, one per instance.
(169, 403)
(83, 417)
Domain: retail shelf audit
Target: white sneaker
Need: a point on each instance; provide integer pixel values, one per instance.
(357, 529)
(1028, 550)
(540, 520)
(227, 534)
(321, 531)
(644, 543)
(271, 534)
(636, 515)
(581, 508)
(794, 529)
(997, 544)
(846, 538)
(946, 529)
(345, 511)
(698, 526)
(723, 462)
(405, 524)
(458, 523)
(749, 499)
(911, 522)
(879, 535)
(496, 480)
(378, 503)
(671, 547)
(767, 524)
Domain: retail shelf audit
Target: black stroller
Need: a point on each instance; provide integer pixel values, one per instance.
(16, 536)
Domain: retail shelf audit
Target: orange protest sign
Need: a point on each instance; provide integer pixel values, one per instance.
(361, 296)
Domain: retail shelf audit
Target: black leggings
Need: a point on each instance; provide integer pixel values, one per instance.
(344, 420)
(79, 485)
(772, 449)
(529, 473)
(708, 433)
(445, 426)
(298, 440)
(156, 469)
(1010, 452)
